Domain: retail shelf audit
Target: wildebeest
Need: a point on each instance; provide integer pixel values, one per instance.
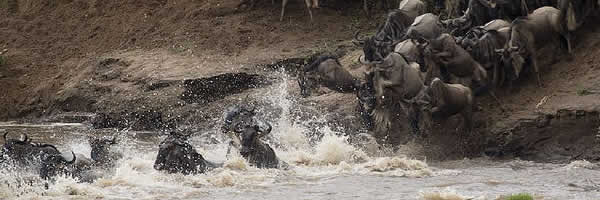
(366, 101)
(413, 8)
(101, 153)
(378, 46)
(413, 53)
(367, 4)
(529, 34)
(44, 157)
(326, 70)
(455, 60)
(396, 81)
(578, 10)
(255, 151)
(459, 64)
(481, 43)
(426, 26)
(478, 13)
(446, 100)
(236, 120)
(176, 155)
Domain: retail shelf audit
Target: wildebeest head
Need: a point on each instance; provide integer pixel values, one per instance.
(374, 49)
(513, 60)
(53, 162)
(101, 150)
(250, 140)
(175, 155)
(10, 143)
(237, 118)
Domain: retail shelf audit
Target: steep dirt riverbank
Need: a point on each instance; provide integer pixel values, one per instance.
(153, 65)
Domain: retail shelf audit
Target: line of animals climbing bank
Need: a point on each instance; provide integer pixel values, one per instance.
(428, 69)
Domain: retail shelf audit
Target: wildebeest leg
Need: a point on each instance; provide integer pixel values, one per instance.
(493, 94)
(365, 8)
(536, 70)
(567, 37)
(467, 115)
(283, 4)
(412, 115)
(308, 7)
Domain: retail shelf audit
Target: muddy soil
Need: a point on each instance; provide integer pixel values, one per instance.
(156, 65)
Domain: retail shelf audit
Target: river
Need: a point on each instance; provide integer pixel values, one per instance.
(328, 168)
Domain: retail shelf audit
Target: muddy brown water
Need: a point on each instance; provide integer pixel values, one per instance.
(331, 168)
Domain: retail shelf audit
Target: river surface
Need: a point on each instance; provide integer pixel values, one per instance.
(327, 167)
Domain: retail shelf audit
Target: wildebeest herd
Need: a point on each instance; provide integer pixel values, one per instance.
(430, 69)
(175, 154)
(419, 65)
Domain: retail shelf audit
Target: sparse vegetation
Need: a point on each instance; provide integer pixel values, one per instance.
(521, 196)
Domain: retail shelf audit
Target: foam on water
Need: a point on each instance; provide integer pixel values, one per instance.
(446, 194)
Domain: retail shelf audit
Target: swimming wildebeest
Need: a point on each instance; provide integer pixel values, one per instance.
(101, 153)
(326, 70)
(236, 120)
(396, 81)
(44, 157)
(378, 46)
(100, 161)
(446, 100)
(255, 151)
(176, 155)
(528, 34)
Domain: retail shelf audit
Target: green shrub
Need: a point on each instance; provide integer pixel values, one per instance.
(522, 196)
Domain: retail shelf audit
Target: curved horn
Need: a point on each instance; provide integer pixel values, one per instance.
(46, 145)
(4, 136)
(72, 160)
(26, 140)
(499, 50)
(357, 38)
